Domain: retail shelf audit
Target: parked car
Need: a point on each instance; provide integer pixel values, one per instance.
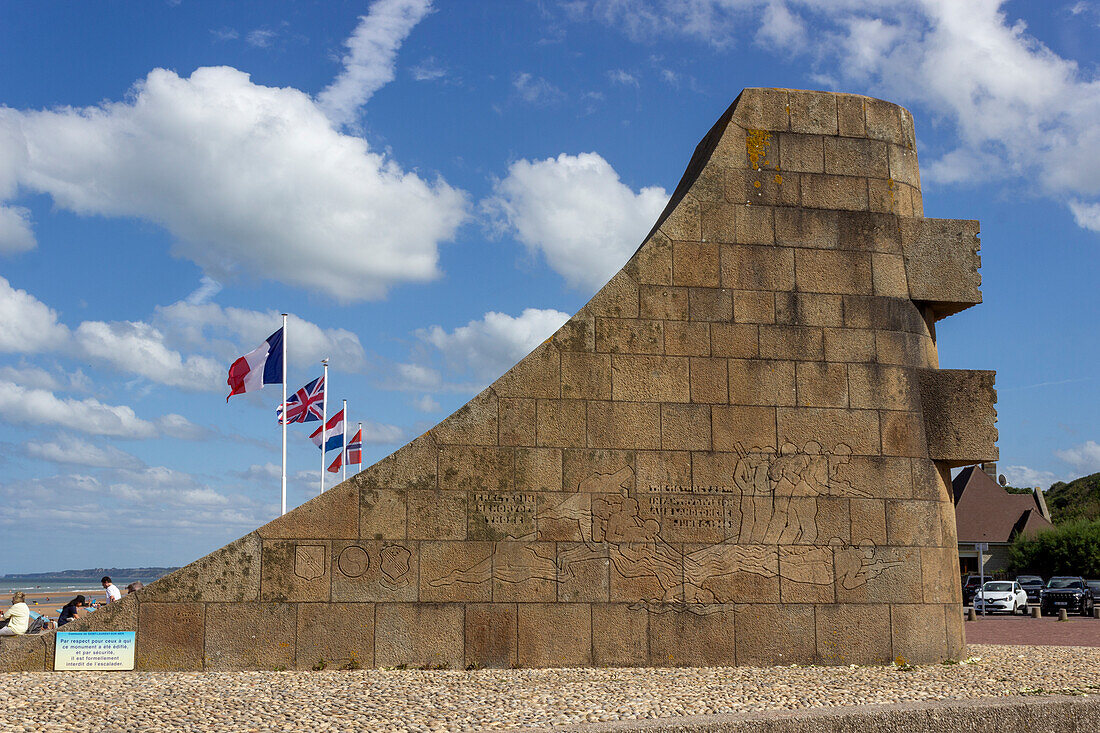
(1001, 595)
(971, 586)
(1031, 584)
(1094, 586)
(1068, 592)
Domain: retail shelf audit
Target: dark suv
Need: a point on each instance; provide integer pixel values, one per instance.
(971, 586)
(1068, 592)
(1031, 584)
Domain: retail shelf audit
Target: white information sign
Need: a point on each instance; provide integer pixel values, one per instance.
(94, 650)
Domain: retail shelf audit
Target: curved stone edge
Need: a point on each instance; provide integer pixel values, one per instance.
(1054, 714)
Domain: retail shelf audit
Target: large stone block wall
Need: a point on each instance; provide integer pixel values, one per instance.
(736, 453)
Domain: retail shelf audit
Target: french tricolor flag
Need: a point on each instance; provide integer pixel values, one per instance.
(264, 365)
(334, 433)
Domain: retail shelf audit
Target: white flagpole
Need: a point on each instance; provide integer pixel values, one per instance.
(284, 413)
(324, 425)
(360, 434)
(344, 463)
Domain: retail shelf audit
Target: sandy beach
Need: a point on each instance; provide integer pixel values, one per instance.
(49, 603)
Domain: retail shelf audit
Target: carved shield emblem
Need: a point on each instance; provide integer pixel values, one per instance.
(309, 561)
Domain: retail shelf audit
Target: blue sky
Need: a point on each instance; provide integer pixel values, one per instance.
(430, 188)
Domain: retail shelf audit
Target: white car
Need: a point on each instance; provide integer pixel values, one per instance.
(1001, 595)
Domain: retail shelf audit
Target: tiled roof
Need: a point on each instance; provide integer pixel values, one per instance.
(985, 512)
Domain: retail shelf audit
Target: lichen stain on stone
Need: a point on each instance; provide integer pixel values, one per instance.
(779, 179)
(756, 184)
(756, 143)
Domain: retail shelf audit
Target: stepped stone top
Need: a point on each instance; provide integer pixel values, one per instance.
(737, 452)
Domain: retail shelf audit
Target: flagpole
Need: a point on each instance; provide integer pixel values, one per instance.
(344, 466)
(324, 426)
(284, 414)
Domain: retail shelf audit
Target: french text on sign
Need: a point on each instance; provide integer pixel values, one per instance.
(94, 650)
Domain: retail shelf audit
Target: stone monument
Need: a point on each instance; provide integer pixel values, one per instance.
(737, 452)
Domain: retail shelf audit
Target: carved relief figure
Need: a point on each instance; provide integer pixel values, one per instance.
(777, 493)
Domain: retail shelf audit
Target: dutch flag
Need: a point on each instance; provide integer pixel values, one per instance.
(334, 433)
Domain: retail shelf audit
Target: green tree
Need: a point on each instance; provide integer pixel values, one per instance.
(1068, 549)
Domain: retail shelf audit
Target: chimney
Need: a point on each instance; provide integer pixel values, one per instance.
(990, 470)
(1042, 502)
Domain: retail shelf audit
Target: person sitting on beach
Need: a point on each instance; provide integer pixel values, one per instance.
(17, 617)
(133, 587)
(113, 593)
(74, 609)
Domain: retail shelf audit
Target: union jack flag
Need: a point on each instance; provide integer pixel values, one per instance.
(355, 447)
(305, 405)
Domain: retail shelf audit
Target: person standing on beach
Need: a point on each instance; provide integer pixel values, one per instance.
(113, 593)
(18, 616)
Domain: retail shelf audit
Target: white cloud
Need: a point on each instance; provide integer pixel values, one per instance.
(261, 472)
(1085, 457)
(261, 37)
(178, 426)
(416, 377)
(29, 375)
(618, 76)
(489, 347)
(576, 211)
(428, 70)
(1087, 216)
(714, 21)
(68, 449)
(372, 52)
(1018, 109)
(15, 230)
(425, 403)
(249, 179)
(226, 331)
(23, 406)
(224, 33)
(379, 433)
(139, 348)
(29, 324)
(779, 27)
(536, 90)
(1025, 477)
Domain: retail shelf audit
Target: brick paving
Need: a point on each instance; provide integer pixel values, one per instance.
(1043, 631)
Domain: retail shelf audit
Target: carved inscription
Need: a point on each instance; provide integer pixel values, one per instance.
(683, 511)
(498, 516)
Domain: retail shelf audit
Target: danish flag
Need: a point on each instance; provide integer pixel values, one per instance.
(335, 467)
(306, 404)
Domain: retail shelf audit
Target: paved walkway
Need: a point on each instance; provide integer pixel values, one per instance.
(1042, 631)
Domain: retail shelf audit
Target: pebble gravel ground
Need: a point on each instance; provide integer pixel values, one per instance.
(407, 700)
